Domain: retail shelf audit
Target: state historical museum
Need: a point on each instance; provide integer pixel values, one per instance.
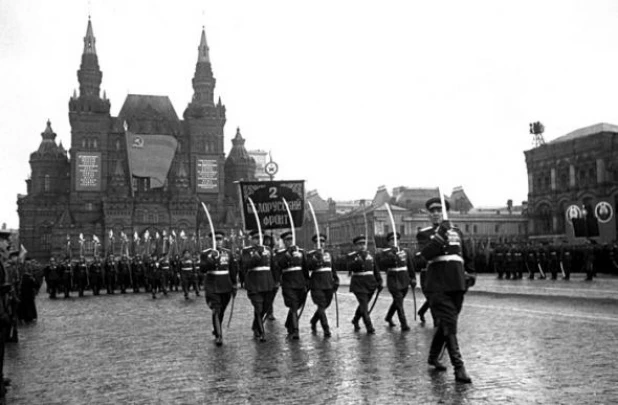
(144, 170)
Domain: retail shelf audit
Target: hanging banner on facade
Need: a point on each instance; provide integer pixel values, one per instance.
(268, 199)
(151, 156)
(88, 171)
(207, 175)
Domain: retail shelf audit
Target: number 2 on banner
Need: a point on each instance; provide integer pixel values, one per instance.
(273, 192)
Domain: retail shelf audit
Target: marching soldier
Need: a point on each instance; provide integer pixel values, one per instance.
(365, 280)
(52, 277)
(220, 281)
(447, 282)
(109, 269)
(530, 260)
(519, 262)
(258, 280)
(270, 315)
(566, 260)
(155, 275)
(165, 268)
(509, 262)
(67, 276)
(499, 261)
(323, 283)
(96, 275)
(187, 274)
(292, 267)
(553, 261)
(81, 278)
(137, 272)
(125, 276)
(397, 263)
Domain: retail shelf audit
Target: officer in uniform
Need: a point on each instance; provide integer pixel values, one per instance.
(220, 281)
(81, 278)
(397, 263)
(109, 269)
(52, 277)
(366, 279)
(165, 271)
(155, 275)
(323, 283)
(270, 315)
(137, 273)
(259, 281)
(187, 274)
(96, 275)
(553, 261)
(447, 282)
(499, 261)
(566, 260)
(125, 274)
(291, 264)
(67, 276)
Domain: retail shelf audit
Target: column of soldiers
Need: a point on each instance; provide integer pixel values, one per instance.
(513, 261)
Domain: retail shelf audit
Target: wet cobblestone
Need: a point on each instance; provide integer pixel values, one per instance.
(131, 349)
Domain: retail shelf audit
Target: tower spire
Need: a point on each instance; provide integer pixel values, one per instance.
(203, 55)
(89, 40)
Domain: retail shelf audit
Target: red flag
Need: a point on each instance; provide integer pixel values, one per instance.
(151, 156)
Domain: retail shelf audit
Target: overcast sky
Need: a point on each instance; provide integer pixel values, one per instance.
(348, 95)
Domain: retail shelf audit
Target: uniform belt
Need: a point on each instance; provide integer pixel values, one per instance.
(260, 268)
(289, 269)
(218, 272)
(363, 273)
(187, 269)
(447, 258)
(321, 269)
(404, 268)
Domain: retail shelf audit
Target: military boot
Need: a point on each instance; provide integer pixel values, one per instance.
(324, 323)
(456, 360)
(389, 316)
(314, 322)
(435, 351)
(218, 331)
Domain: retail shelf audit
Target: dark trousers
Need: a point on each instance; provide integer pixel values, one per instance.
(261, 302)
(293, 298)
(362, 310)
(397, 306)
(189, 280)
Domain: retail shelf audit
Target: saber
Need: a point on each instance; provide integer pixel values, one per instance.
(444, 213)
(414, 296)
(390, 214)
(315, 222)
(229, 321)
(541, 269)
(374, 301)
(287, 208)
(257, 220)
(337, 308)
(212, 228)
(562, 270)
(528, 268)
(366, 230)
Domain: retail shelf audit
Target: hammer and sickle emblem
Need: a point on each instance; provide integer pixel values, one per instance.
(138, 142)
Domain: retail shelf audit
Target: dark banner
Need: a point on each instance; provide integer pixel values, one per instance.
(268, 199)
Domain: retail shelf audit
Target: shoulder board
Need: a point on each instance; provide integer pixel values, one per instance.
(311, 252)
(352, 254)
(247, 248)
(280, 250)
(426, 229)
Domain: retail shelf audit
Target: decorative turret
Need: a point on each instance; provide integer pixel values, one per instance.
(239, 165)
(49, 165)
(89, 76)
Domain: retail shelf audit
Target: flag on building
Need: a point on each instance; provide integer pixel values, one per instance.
(151, 156)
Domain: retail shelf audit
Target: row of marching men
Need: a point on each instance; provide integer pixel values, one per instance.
(151, 274)
(301, 274)
(513, 261)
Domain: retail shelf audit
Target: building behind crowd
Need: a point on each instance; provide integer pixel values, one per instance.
(573, 186)
(146, 169)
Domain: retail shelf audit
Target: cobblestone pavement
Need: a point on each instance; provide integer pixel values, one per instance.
(130, 349)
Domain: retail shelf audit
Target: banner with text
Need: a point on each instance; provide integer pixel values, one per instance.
(268, 199)
(207, 175)
(88, 171)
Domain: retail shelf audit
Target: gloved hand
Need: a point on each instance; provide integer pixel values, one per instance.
(470, 279)
(413, 283)
(336, 287)
(234, 290)
(444, 228)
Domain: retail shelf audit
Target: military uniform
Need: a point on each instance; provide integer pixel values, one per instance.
(165, 269)
(188, 276)
(52, 274)
(323, 284)
(499, 261)
(96, 276)
(294, 279)
(220, 283)
(81, 276)
(566, 261)
(66, 270)
(111, 274)
(448, 277)
(137, 273)
(259, 281)
(366, 279)
(397, 264)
